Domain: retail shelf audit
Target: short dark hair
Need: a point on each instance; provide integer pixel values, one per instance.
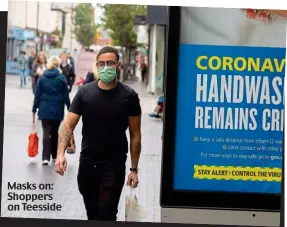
(22, 52)
(109, 50)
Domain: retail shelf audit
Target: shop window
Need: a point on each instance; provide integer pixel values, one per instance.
(10, 49)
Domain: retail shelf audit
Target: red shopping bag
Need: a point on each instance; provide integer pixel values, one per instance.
(80, 81)
(33, 143)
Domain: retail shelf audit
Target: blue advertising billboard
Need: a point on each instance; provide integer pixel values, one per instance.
(229, 123)
(230, 101)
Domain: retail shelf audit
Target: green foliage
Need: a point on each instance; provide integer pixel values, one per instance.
(57, 44)
(119, 21)
(84, 28)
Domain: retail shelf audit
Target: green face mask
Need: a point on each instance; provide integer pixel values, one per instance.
(107, 74)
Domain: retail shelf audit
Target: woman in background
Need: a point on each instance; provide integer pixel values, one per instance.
(50, 98)
(23, 61)
(143, 69)
(39, 67)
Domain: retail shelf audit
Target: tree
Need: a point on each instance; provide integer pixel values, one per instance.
(84, 29)
(59, 38)
(119, 21)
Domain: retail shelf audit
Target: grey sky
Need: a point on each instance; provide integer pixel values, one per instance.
(98, 13)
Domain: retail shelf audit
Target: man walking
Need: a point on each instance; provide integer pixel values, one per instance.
(31, 61)
(108, 108)
(70, 60)
(67, 70)
(23, 61)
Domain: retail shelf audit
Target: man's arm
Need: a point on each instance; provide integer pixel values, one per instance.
(135, 128)
(135, 139)
(70, 123)
(66, 132)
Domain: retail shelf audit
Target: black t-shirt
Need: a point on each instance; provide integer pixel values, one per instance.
(105, 121)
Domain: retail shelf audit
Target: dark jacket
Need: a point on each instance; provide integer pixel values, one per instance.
(51, 96)
(72, 62)
(89, 78)
(31, 62)
(69, 73)
(35, 77)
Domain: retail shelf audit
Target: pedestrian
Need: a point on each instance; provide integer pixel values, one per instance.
(50, 98)
(23, 61)
(31, 61)
(39, 66)
(108, 108)
(158, 111)
(143, 69)
(67, 70)
(70, 60)
(93, 75)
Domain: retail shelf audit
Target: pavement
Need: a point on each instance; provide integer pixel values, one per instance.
(19, 168)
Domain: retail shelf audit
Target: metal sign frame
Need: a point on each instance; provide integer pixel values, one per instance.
(194, 199)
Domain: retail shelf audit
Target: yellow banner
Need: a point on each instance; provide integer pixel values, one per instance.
(237, 173)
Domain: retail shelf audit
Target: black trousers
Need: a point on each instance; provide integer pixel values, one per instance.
(34, 84)
(101, 187)
(143, 75)
(50, 138)
(70, 88)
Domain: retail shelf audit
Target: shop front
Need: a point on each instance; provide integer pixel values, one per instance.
(46, 42)
(224, 111)
(157, 20)
(156, 54)
(30, 45)
(15, 43)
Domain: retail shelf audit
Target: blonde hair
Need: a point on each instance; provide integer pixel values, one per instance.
(53, 62)
(95, 69)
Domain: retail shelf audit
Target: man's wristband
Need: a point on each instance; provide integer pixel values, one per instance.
(134, 170)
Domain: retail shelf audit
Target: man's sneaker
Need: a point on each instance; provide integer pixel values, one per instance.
(154, 115)
(157, 116)
(45, 162)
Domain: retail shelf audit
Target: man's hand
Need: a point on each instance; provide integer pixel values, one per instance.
(61, 164)
(133, 180)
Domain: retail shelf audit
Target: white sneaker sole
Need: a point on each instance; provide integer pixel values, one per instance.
(45, 162)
